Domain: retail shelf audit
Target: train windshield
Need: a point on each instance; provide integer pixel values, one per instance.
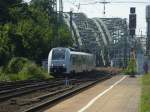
(58, 54)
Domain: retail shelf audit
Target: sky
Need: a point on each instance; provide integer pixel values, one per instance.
(121, 10)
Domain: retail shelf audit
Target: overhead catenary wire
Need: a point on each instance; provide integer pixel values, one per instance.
(104, 2)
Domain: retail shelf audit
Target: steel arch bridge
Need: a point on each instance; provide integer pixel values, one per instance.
(107, 38)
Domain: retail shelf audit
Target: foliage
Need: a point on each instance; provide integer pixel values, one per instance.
(4, 77)
(65, 38)
(20, 68)
(145, 97)
(16, 64)
(32, 71)
(131, 68)
(42, 4)
(4, 9)
(28, 30)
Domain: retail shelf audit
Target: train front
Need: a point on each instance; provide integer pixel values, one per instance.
(57, 61)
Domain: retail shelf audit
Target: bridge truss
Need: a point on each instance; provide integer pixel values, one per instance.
(107, 38)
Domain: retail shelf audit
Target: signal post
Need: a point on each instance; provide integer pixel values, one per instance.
(132, 28)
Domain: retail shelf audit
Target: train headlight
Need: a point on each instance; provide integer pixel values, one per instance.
(64, 65)
(52, 65)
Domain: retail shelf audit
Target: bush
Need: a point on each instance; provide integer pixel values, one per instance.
(32, 71)
(22, 69)
(16, 64)
(131, 69)
(3, 76)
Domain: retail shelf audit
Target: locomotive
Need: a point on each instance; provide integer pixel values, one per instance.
(65, 61)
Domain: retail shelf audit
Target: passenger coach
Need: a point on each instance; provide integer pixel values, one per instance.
(63, 60)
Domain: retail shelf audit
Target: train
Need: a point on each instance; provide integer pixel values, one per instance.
(65, 61)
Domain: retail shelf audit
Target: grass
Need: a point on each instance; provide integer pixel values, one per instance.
(145, 96)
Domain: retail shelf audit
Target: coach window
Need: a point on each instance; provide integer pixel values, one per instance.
(73, 60)
(82, 59)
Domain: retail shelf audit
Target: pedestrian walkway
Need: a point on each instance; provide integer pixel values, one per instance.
(118, 94)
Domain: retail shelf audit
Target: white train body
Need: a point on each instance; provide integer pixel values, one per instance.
(63, 60)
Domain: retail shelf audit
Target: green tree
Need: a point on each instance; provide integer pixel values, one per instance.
(4, 9)
(42, 4)
(6, 48)
(65, 36)
(29, 31)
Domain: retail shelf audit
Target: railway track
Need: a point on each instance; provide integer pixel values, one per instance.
(10, 93)
(83, 86)
(35, 97)
(12, 85)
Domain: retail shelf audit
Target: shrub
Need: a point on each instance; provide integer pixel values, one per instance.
(3, 76)
(16, 64)
(22, 69)
(131, 69)
(14, 77)
(32, 71)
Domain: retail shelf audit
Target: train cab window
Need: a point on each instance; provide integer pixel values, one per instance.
(58, 54)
